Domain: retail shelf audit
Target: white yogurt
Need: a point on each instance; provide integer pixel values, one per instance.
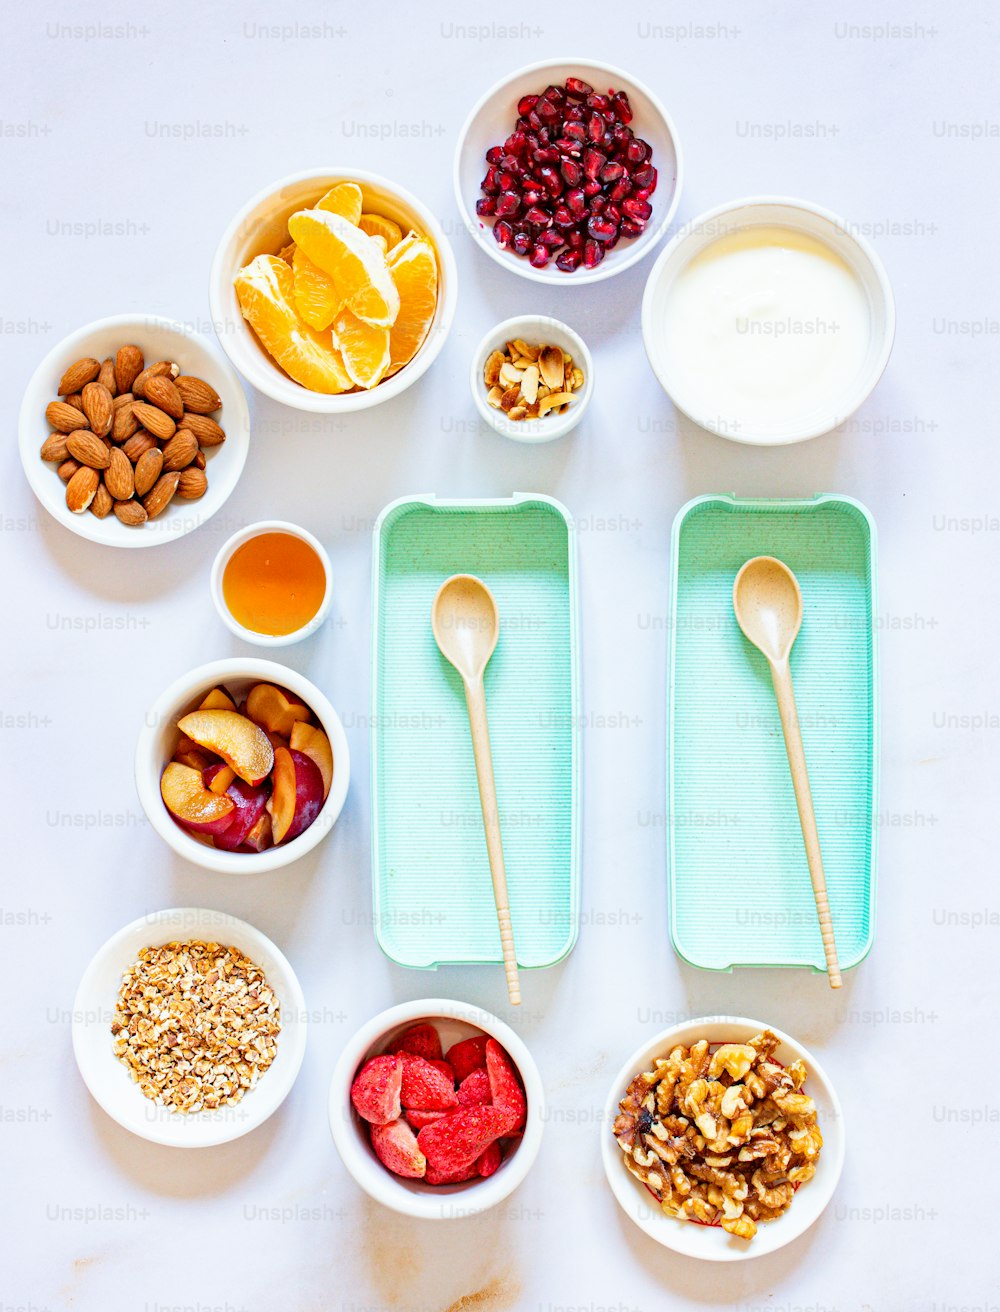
(763, 328)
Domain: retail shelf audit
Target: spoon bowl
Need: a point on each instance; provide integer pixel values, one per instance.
(466, 624)
(767, 600)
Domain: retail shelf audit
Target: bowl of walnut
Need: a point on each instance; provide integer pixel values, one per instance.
(723, 1139)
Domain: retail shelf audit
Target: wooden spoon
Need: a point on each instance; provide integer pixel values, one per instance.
(466, 627)
(768, 605)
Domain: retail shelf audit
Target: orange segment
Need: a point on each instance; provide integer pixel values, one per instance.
(414, 271)
(316, 297)
(287, 252)
(265, 292)
(352, 259)
(377, 226)
(364, 346)
(343, 199)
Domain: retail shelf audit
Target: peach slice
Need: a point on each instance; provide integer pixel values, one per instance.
(218, 777)
(241, 743)
(218, 700)
(314, 743)
(249, 803)
(191, 803)
(274, 709)
(259, 836)
(297, 798)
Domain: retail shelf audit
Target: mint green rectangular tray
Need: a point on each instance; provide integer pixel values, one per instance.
(433, 898)
(740, 893)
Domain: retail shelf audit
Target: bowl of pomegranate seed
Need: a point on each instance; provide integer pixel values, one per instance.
(568, 171)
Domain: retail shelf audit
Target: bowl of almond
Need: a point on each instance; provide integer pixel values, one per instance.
(532, 378)
(133, 431)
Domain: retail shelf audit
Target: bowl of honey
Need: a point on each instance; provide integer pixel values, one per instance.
(272, 583)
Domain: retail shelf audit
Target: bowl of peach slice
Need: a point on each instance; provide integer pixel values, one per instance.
(242, 765)
(333, 292)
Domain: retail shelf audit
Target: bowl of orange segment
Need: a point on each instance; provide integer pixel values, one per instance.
(333, 291)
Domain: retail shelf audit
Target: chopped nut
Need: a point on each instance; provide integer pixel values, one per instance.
(551, 364)
(529, 384)
(491, 373)
(493, 396)
(553, 399)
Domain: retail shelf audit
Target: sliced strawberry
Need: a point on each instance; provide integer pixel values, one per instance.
(422, 1040)
(468, 1055)
(505, 1085)
(425, 1087)
(467, 1172)
(490, 1160)
(475, 1088)
(375, 1091)
(396, 1147)
(419, 1119)
(463, 1135)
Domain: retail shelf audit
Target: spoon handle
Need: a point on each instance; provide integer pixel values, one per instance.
(781, 676)
(475, 699)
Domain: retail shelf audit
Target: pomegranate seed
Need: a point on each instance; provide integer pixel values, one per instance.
(534, 122)
(632, 228)
(546, 155)
(532, 195)
(600, 229)
(565, 146)
(637, 209)
(574, 113)
(595, 101)
(620, 105)
(515, 143)
(577, 88)
(645, 177)
(490, 184)
(562, 217)
(552, 180)
(636, 152)
(547, 112)
(611, 172)
(612, 213)
(554, 94)
(503, 232)
(508, 204)
(591, 187)
(593, 253)
(620, 190)
(551, 239)
(613, 242)
(494, 155)
(506, 179)
(576, 202)
(568, 260)
(595, 128)
(575, 131)
(521, 243)
(486, 206)
(621, 137)
(537, 217)
(593, 162)
(539, 257)
(526, 103)
(574, 239)
(571, 171)
(598, 204)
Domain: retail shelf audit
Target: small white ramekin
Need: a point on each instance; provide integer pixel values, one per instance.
(712, 1243)
(219, 569)
(491, 120)
(261, 228)
(802, 216)
(454, 1021)
(159, 735)
(109, 1080)
(533, 329)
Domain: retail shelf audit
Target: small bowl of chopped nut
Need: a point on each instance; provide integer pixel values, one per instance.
(532, 378)
(723, 1139)
(189, 1027)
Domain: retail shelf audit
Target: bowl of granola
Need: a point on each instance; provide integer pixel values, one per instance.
(189, 1027)
(723, 1139)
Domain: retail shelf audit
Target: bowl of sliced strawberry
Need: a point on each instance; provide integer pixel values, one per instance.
(436, 1109)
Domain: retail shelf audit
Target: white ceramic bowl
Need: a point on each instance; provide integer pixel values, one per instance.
(801, 216)
(492, 120)
(158, 339)
(712, 1243)
(533, 329)
(159, 734)
(109, 1080)
(219, 569)
(454, 1021)
(261, 228)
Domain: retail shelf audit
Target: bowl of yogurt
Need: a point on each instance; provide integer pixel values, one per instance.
(768, 321)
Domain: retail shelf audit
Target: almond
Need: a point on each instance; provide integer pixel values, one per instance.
(155, 420)
(192, 484)
(74, 399)
(147, 470)
(81, 489)
(162, 369)
(107, 379)
(124, 423)
(199, 461)
(138, 444)
(68, 468)
(102, 502)
(54, 447)
(119, 478)
(130, 512)
(161, 392)
(97, 407)
(78, 375)
(63, 417)
(206, 430)
(88, 448)
(180, 450)
(128, 366)
(123, 398)
(156, 501)
(197, 395)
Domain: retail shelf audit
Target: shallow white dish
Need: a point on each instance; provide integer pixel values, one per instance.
(225, 555)
(801, 216)
(454, 1021)
(712, 1243)
(492, 119)
(158, 339)
(534, 329)
(110, 1081)
(158, 737)
(261, 228)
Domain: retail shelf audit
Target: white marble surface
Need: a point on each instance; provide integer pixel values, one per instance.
(149, 135)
